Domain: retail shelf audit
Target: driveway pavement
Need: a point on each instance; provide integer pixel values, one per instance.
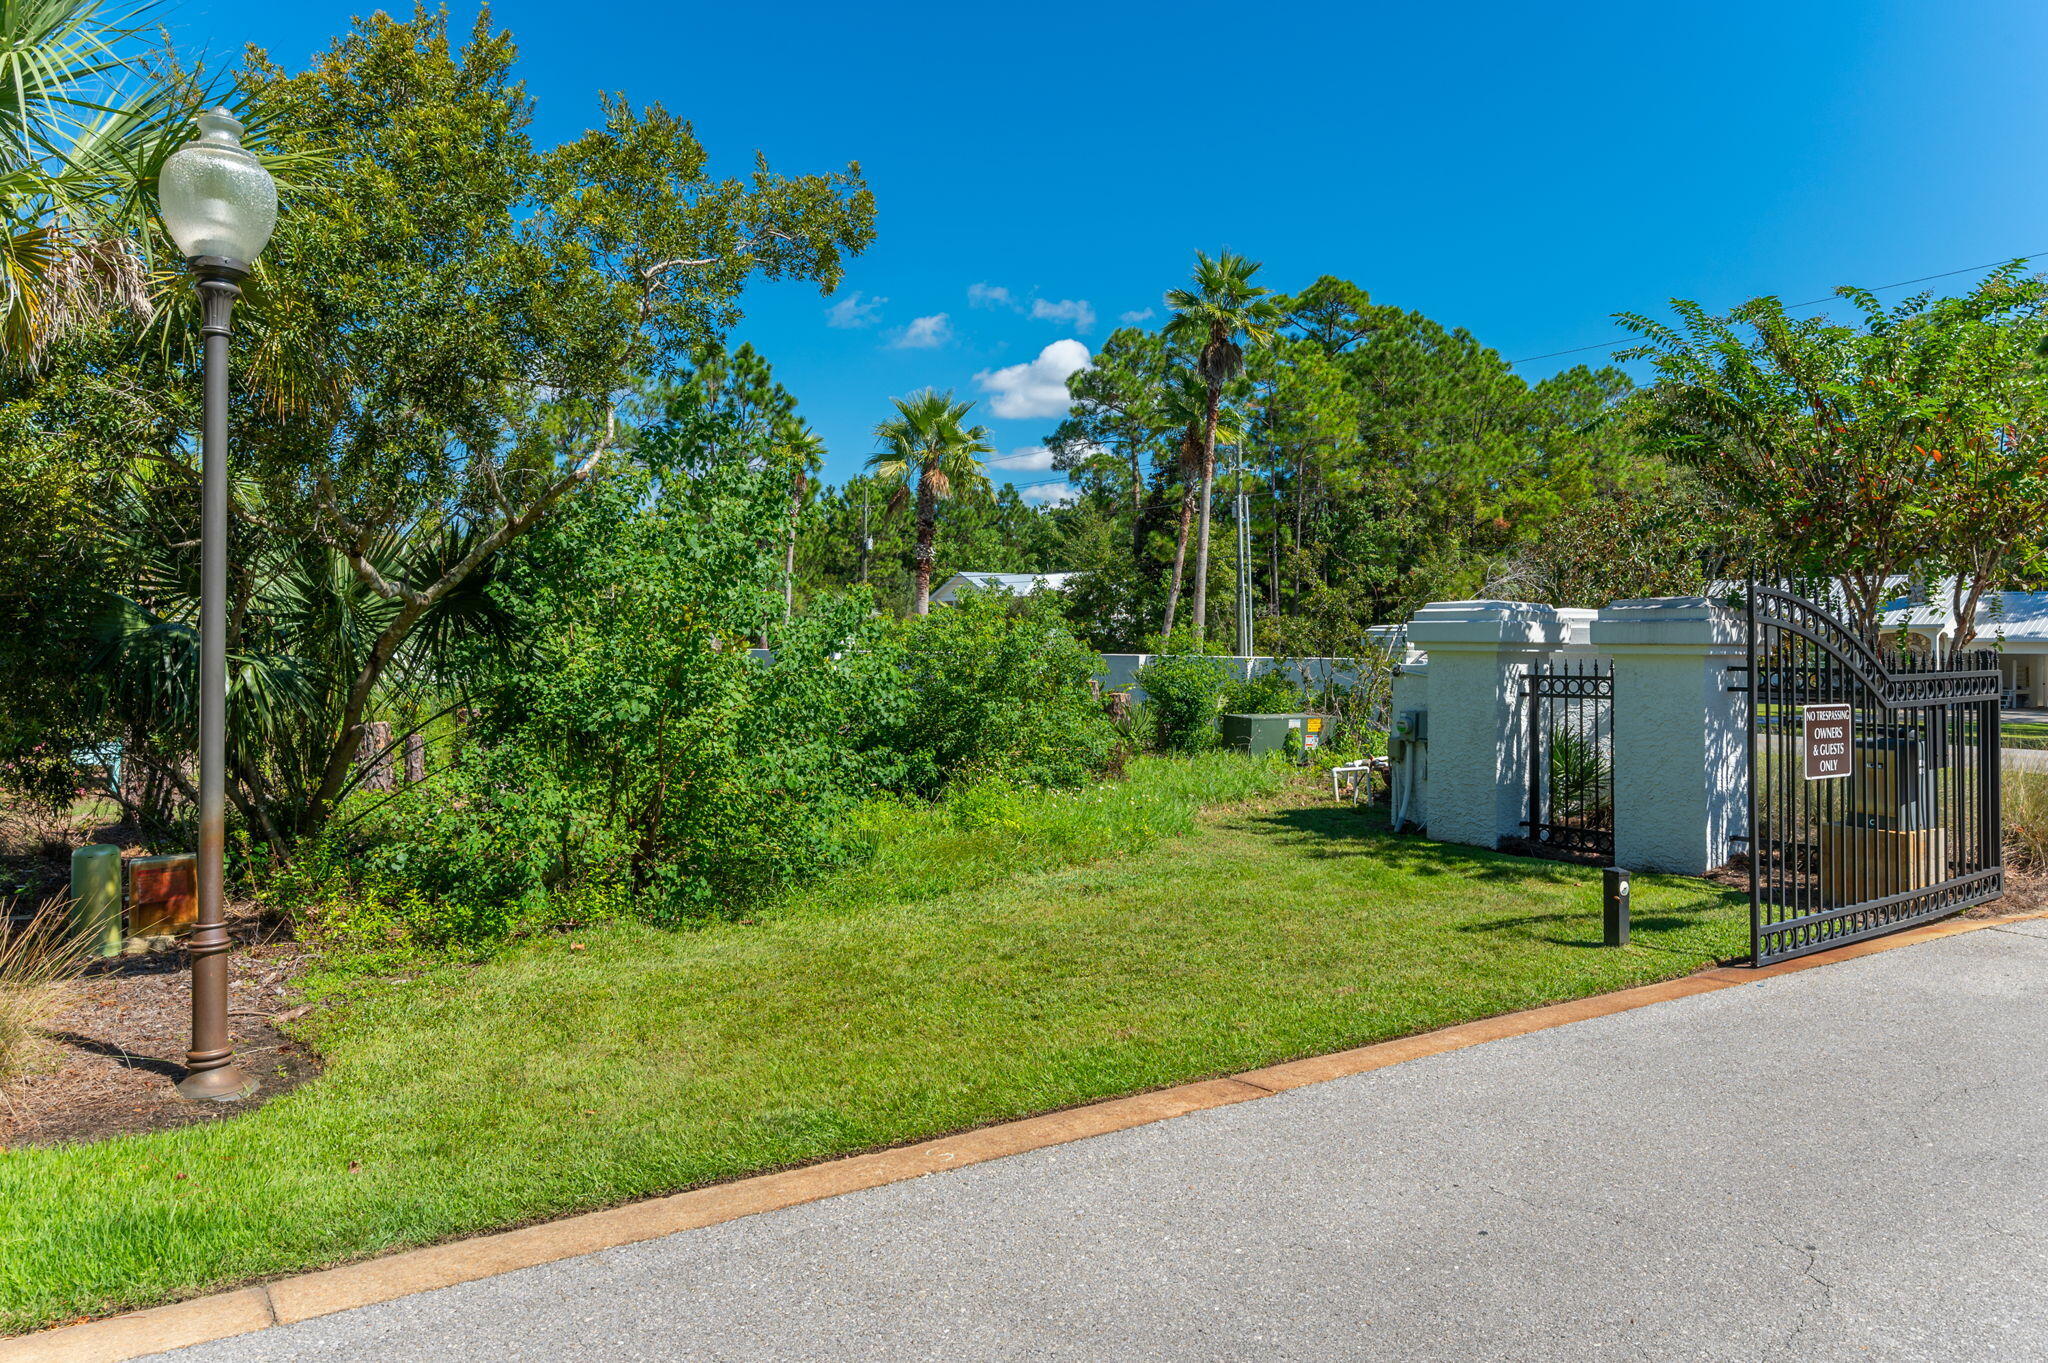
(1843, 1163)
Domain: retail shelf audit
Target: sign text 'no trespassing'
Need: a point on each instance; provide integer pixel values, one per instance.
(1824, 739)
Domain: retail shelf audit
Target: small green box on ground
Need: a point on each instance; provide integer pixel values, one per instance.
(96, 896)
(1268, 733)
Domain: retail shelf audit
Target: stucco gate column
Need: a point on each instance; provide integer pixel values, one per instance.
(1478, 651)
(1679, 790)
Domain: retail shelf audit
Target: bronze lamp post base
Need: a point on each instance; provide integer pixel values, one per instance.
(226, 1084)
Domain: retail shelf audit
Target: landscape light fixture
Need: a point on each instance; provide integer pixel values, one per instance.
(219, 205)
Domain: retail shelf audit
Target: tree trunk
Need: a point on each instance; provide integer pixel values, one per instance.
(1201, 611)
(927, 531)
(1180, 558)
(373, 755)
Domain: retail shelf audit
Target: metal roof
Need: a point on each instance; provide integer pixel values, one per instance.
(1022, 584)
(2013, 616)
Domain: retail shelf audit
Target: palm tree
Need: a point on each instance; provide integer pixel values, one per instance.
(1184, 407)
(931, 452)
(84, 128)
(300, 624)
(78, 148)
(1223, 305)
(805, 450)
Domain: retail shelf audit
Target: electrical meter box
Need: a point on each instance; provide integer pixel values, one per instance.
(1893, 783)
(1412, 726)
(1268, 733)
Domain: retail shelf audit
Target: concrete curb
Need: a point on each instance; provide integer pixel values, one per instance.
(327, 1291)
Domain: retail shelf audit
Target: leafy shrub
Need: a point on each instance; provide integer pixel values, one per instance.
(997, 687)
(631, 756)
(634, 760)
(1183, 696)
(1270, 692)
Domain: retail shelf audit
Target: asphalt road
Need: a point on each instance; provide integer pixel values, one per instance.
(1845, 1163)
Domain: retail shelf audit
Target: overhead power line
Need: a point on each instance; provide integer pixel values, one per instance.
(1811, 302)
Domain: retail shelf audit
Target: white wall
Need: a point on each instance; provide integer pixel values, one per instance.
(1411, 692)
(1478, 652)
(1679, 774)
(1121, 669)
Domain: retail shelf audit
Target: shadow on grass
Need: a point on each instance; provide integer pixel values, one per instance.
(1663, 922)
(1349, 831)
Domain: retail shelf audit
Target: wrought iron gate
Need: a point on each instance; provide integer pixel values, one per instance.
(1570, 709)
(1872, 779)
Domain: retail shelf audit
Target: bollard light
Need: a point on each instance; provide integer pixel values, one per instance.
(1614, 904)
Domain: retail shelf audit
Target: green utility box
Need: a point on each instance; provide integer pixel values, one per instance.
(1268, 733)
(96, 897)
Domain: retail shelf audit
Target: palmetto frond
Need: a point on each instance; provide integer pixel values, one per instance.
(83, 134)
(301, 623)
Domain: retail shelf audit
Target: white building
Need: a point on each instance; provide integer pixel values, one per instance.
(1017, 584)
(2015, 624)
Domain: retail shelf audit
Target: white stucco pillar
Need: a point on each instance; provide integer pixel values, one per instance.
(1478, 651)
(1679, 788)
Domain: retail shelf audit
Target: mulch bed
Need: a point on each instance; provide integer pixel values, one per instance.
(115, 1051)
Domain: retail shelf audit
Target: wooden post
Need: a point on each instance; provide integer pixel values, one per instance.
(415, 758)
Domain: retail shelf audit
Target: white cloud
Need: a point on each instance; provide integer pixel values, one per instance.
(1134, 317)
(1075, 310)
(1037, 389)
(852, 311)
(1053, 494)
(1031, 459)
(926, 333)
(989, 296)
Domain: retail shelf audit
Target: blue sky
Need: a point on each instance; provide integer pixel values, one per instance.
(1521, 170)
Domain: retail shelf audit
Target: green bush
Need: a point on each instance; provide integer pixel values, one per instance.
(634, 761)
(1183, 695)
(1269, 693)
(630, 755)
(997, 687)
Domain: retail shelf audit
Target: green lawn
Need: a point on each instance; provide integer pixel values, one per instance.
(2029, 733)
(896, 1005)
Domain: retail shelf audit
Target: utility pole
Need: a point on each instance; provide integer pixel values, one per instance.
(867, 544)
(1244, 562)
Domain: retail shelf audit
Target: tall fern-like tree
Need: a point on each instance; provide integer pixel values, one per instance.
(932, 454)
(1217, 318)
(804, 448)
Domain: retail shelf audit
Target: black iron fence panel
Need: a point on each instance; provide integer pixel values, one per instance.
(1873, 768)
(1569, 705)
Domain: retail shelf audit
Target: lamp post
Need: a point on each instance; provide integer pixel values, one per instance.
(219, 205)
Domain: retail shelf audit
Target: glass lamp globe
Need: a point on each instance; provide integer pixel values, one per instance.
(217, 199)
